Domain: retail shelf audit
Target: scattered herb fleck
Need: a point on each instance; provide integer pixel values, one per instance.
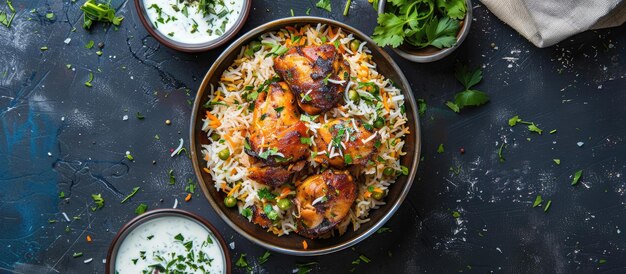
(577, 176)
(538, 201)
(141, 208)
(545, 209)
(135, 189)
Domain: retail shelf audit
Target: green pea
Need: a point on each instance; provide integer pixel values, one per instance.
(378, 195)
(354, 96)
(379, 123)
(388, 171)
(354, 45)
(215, 137)
(224, 154)
(284, 203)
(230, 201)
(255, 46)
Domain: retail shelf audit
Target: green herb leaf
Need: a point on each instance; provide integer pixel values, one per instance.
(454, 107)
(453, 8)
(383, 230)
(141, 209)
(97, 198)
(538, 201)
(94, 11)
(470, 98)
(421, 106)
(241, 262)
(135, 189)
(347, 159)
(456, 214)
(557, 161)
(440, 149)
(324, 4)
(77, 254)
(500, 153)
(62, 195)
(577, 176)
(390, 30)
(263, 259)
(139, 116)
(88, 83)
(265, 193)
(514, 120)
(50, 16)
(548, 204)
(170, 173)
(534, 128)
(90, 44)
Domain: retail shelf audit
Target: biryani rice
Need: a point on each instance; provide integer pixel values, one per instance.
(229, 117)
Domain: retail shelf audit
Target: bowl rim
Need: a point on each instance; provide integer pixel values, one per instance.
(408, 93)
(194, 48)
(441, 53)
(158, 213)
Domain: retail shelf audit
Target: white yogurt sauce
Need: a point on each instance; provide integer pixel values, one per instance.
(183, 21)
(165, 239)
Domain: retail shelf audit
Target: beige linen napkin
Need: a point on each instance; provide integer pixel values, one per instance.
(547, 22)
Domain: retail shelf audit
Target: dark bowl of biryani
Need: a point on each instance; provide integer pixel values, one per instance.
(305, 136)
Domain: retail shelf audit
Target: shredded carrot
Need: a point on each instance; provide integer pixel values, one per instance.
(230, 141)
(292, 29)
(88, 238)
(215, 122)
(188, 197)
(233, 172)
(330, 33)
(384, 95)
(305, 245)
(232, 191)
(367, 194)
(284, 192)
(206, 170)
(206, 157)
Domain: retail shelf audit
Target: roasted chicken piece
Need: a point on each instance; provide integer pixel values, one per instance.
(274, 141)
(259, 217)
(323, 201)
(317, 74)
(345, 141)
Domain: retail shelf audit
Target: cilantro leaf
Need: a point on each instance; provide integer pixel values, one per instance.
(453, 8)
(470, 98)
(466, 77)
(265, 193)
(441, 33)
(97, 198)
(534, 128)
(324, 4)
(421, 106)
(513, 121)
(390, 30)
(454, 107)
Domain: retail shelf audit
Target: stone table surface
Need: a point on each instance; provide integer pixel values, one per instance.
(57, 135)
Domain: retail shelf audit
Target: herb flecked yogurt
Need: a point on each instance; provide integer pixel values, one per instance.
(170, 244)
(193, 21)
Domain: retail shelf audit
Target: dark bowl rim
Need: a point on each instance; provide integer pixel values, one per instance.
(196, 48)
(233, 49)
(150, 215)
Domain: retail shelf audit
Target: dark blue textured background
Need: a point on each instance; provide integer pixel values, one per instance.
(576, 87)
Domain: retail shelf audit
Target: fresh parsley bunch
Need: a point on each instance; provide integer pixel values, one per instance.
(420, 23)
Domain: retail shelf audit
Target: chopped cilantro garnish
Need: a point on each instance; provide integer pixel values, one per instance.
(545, 209)
(500, 152)
(90, 44)
(179, 237)
(62, 195)
(97, 198)
(88, 83)
(383, 230)
(246, 212)
(557, 161)
(440, 149)
(306, 141)
(279, 109)
(538, 201)
(141, 208)
(456, 214)
(577, 176)
(241, 262)
(324, 4)
(347, 159)
(77, 254)
(263, 259)
(135, 189)
(364, 258)
(94, 11)
(170, 173)
(265, 193)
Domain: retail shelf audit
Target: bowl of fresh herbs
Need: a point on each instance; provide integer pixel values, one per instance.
(422, 31)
